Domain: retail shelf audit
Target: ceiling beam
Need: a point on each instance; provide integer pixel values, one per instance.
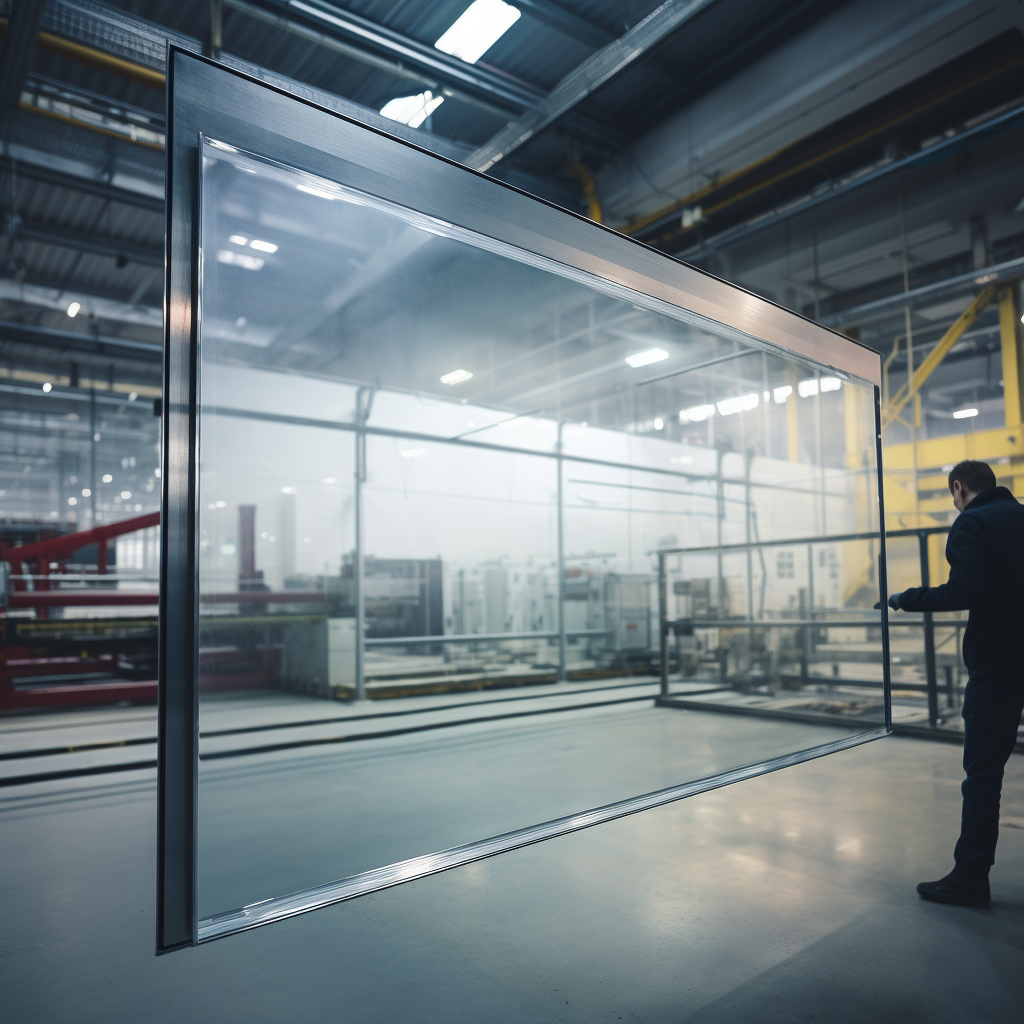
(588, 77)
(80, 183)
(73, 341)
(569, 23)
(81, 241)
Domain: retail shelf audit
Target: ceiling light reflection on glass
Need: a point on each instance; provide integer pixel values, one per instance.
(963, 414)
(480, 26)
(807, 388)
(456, 377)
(73, 309)
(239, 259)
(781, 394)
(258, 243)
(738, 403)
(412, 110)
(696, 413)
(645, 358)
(238, 240)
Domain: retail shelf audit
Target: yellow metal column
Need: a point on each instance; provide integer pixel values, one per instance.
(1013, 382)
(1010, 337)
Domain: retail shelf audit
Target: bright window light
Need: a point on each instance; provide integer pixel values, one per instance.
(74, 309)
(239, 259)
(807, 388)
(310, 190)
(482, 24)
(781, 394)
(651, 355)
(830, 384)
(413, 453)
(697, 413)
(412, 110)
(239, 240)
(107, 478)
(258, 243)
(47, 387)
(659, 423)
(740, 403)
(963, 414)
(456, 377)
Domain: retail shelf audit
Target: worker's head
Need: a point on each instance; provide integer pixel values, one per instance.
(968, 478)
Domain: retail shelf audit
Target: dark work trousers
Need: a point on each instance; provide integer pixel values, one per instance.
(991, 713)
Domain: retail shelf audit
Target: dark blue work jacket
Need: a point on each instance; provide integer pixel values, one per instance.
(985, 551)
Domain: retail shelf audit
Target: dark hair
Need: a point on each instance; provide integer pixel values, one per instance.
(974, 476)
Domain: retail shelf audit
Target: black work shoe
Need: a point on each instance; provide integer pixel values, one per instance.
(953, 890)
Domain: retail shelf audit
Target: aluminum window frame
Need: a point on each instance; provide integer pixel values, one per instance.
(208, 99)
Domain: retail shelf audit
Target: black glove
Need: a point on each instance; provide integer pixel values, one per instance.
(893, 602)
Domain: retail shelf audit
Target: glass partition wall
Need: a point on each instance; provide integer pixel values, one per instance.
(439, 461)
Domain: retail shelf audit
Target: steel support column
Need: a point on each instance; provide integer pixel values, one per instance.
(931, 675)
(560, 491)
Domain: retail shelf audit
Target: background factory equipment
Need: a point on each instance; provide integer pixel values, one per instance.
(483, 535)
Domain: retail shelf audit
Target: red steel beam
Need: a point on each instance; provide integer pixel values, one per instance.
(57, 548)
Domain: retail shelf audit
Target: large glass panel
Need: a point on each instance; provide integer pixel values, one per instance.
(437, 476)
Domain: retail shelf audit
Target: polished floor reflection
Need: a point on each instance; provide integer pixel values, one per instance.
(786, 898)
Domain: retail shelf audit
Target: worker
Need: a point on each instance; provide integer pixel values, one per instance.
(985, 551)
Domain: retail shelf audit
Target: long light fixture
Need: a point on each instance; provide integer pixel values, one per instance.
(480, 26)
(963, 414)
(412, 110)
(456, 377)
(738, 403)
(696, 413)
(650, 355)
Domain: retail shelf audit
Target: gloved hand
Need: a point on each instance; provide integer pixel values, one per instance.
(893, 602)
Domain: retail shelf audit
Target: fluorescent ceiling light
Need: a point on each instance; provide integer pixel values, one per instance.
(739, 403)
(963, 414)
(413, 453)
(651, 355)
(659, 423)
(321, 192)
(72, 501)
(781, 394)
(287, 490)
(696, 413)
(73, 309)
(107, 478)
(47, 387)
(482, 24)
(257, 243)
(456, 377)
(238, 240)
(412, 110)
(126, 495)
(239, 259)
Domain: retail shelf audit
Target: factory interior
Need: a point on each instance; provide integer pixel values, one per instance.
(453, 459)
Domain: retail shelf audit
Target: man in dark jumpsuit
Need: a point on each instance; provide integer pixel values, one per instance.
(985, 551)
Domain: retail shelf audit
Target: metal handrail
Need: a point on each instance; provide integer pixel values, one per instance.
(927, 620)
(471, 638)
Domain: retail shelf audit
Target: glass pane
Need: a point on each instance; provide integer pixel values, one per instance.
(436, 475)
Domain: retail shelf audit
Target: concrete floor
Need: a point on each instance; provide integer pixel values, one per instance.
(788, 898)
